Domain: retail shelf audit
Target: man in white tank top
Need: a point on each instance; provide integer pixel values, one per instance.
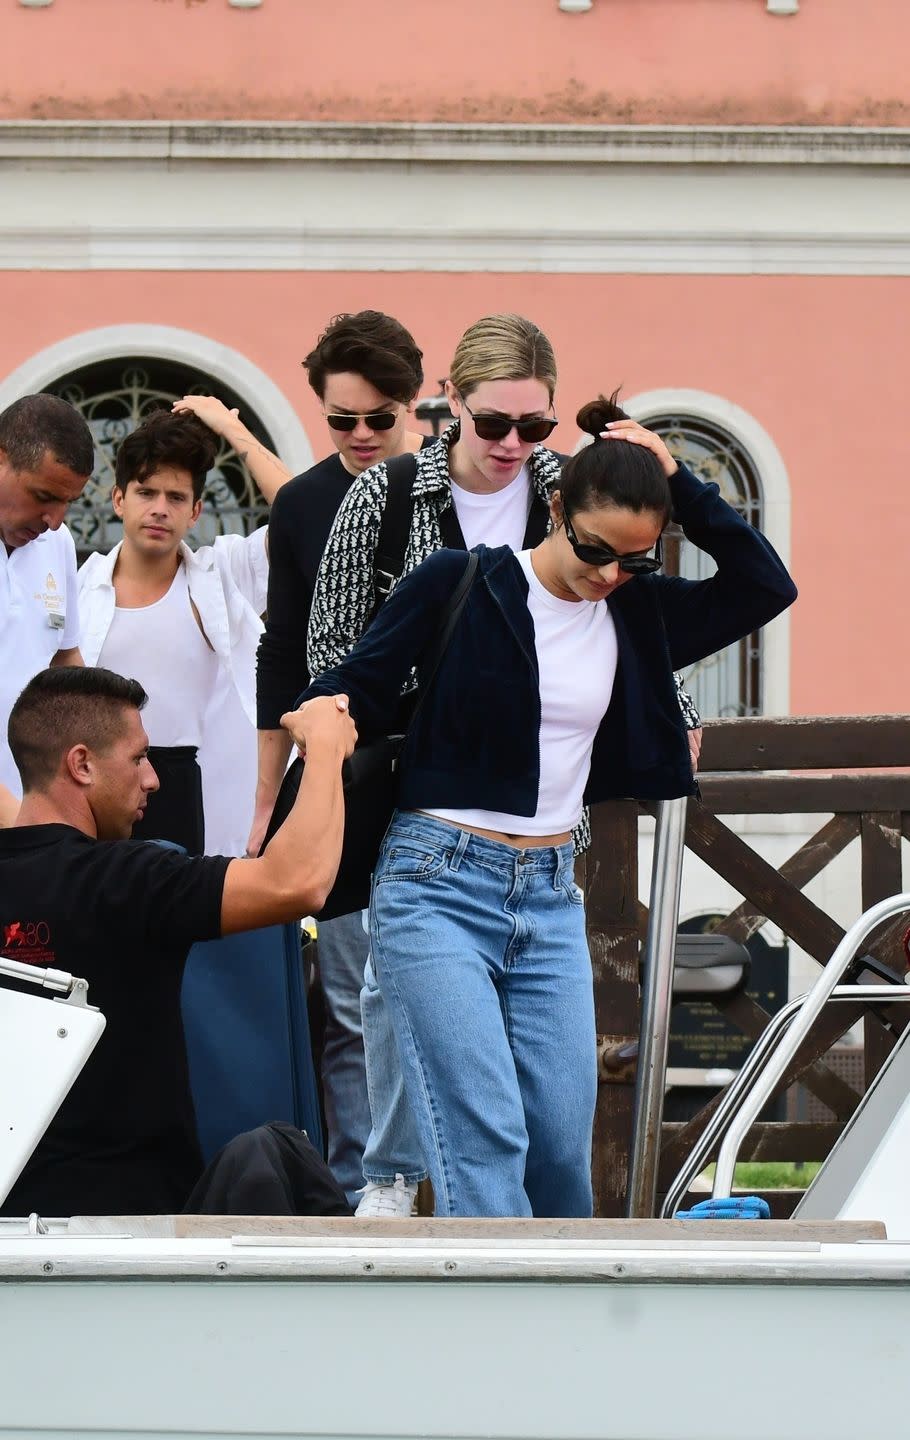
(185, 623)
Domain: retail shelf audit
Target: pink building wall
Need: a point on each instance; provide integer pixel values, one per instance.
(820, 362)
(708, 61)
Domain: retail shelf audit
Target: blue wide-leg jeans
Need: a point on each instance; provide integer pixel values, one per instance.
(481, 956)
(394, 1145)
(343, 949)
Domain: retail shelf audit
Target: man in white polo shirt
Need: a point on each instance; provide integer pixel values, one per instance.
(46, 457)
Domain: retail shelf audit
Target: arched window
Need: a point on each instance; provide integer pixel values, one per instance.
(730, 682)
(114, 396)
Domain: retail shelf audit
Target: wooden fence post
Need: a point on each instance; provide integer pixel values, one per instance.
(611, 892)
(881, 877)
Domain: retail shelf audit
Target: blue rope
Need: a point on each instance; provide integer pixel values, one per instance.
(730, 1207)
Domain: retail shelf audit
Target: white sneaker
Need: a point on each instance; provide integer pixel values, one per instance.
(387, 1199)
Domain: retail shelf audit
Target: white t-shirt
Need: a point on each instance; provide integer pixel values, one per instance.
(497, 518)
(39, 615)
(162, 647)
(575, 641)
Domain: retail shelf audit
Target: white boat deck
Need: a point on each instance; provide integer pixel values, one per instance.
(218, 1247)
(250, 1326)
(456, 1330)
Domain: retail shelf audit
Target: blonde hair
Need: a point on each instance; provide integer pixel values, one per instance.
(502, 347)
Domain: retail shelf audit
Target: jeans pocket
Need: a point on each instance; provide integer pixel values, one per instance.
(409, 860)
(573, 893)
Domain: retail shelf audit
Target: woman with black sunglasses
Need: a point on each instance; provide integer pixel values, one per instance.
(488, 479)
(545, 699)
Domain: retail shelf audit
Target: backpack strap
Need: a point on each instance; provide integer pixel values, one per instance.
(395, 527)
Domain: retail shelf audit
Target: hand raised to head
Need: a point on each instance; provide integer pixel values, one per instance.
(637, 435)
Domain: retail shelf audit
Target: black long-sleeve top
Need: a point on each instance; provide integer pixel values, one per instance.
(299, 525)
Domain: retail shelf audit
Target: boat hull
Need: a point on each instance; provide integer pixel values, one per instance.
(553, 1341)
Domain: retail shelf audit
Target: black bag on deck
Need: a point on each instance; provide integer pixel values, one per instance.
(370, 781)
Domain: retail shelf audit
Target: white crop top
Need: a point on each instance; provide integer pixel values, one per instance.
(576, 649)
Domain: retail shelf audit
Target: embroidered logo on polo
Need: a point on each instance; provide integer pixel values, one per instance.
(28, 941)
(52, 601)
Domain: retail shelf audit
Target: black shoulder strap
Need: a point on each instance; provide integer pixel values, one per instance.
(447, 623)
(392, 541)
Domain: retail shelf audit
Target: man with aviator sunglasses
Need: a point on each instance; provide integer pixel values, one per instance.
(346, 423)
(365, 370)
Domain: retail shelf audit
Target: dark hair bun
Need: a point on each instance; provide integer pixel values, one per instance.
(597, 414)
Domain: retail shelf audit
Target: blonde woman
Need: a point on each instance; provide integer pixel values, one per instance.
(463, 490)
(484, 481)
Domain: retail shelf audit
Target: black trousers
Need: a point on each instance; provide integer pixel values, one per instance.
(174, 811)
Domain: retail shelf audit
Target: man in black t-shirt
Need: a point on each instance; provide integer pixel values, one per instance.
(76, 894)
(366, 370)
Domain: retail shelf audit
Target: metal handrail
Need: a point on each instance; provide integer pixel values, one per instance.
(67, 989)
(57, 980)
(656, 999)
(751, 1067)
(813, 1003)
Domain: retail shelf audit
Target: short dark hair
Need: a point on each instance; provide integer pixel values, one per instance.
(167, 437)
(66, 706)
(37, 423)
(370, 344)
(612, 472)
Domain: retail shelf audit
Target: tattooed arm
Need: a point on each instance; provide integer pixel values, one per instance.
(266, 469)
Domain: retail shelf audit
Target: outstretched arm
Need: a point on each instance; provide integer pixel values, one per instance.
(295, 874)
(373, 674)
(267, 470)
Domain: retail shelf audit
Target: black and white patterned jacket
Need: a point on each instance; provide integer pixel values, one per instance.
(344, 596)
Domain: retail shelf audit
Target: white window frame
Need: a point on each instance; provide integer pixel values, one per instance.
(165, 342)
(769, 466)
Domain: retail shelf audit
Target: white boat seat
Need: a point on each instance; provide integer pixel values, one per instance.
(44, 1044)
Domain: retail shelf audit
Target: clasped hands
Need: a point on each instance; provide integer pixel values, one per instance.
(324, 720)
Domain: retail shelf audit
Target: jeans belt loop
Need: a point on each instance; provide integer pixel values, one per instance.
(464, 838)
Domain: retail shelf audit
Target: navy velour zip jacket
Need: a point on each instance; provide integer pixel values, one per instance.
(475, 741)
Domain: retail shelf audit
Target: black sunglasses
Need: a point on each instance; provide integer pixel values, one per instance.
(379, 420)
(603, 555)
(497, 427)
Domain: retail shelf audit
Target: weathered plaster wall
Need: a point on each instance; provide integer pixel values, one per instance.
(705, 61)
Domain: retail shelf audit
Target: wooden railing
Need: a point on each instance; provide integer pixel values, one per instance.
(858, 770)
